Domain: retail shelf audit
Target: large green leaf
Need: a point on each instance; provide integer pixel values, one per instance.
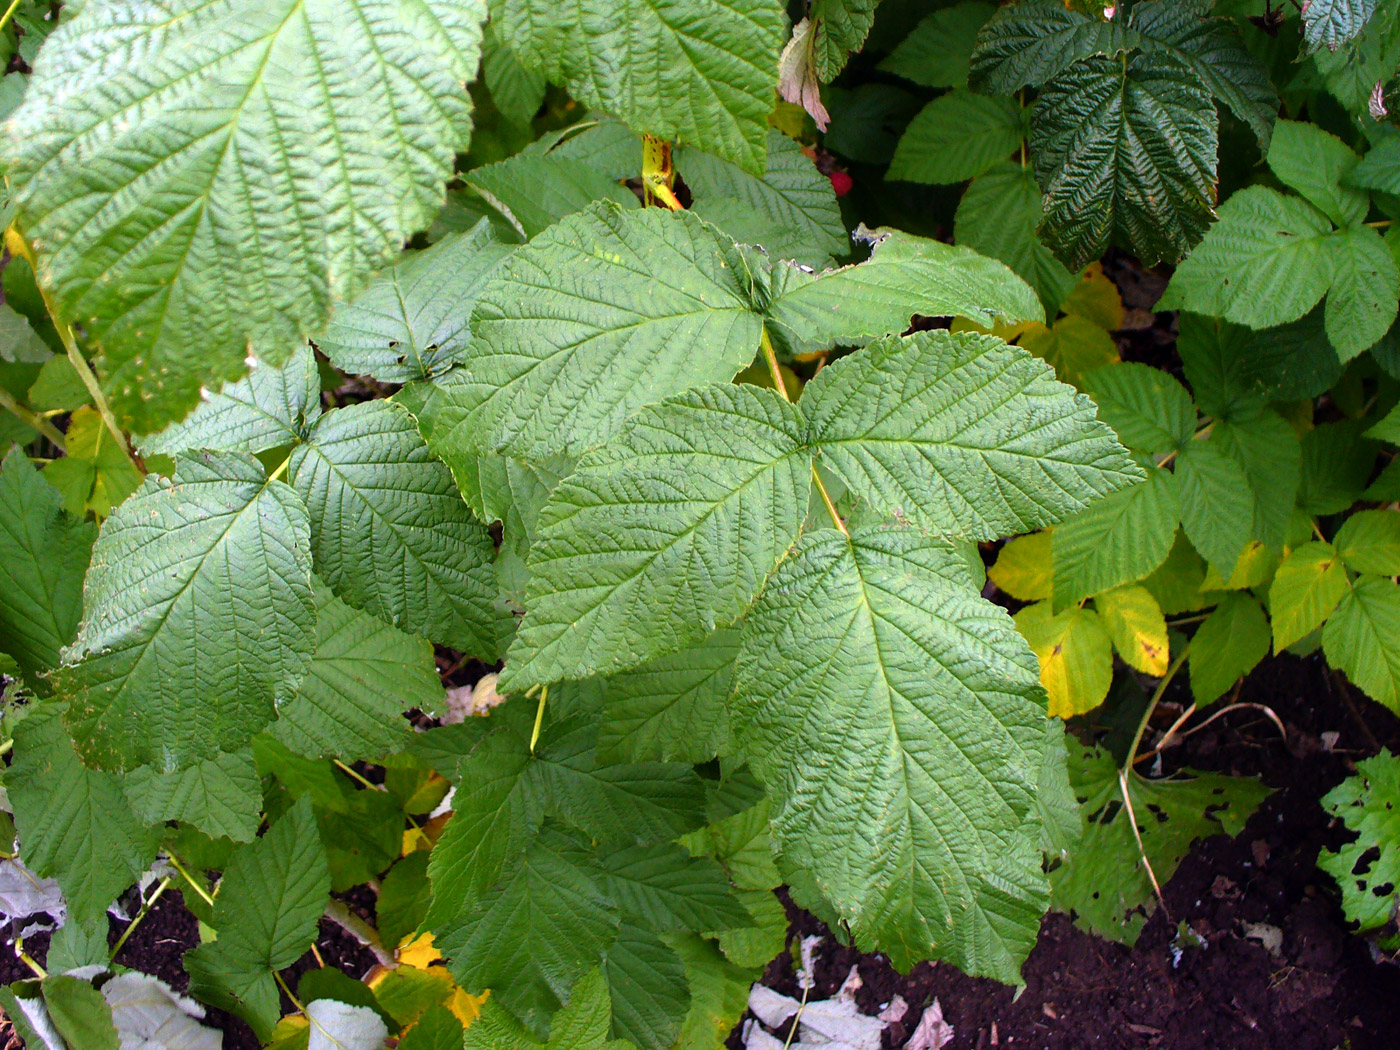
(962, 435)
(958, 136)
(1118, 540)
(905, 275)
(43, 557)
(937, 51)
(1268, 450)
(74, 823)
(1332, 23)
(311, 140)
(1305, 589)
(1227, 646)
(662, 535)
(411, 321)
(667, 889)
(1362, 638)
(219, 796)
(599, 315)
(1217, 511)
(898, 720)
(840, 28)
(650, 995)
(704, 74)
(363, 676)
(997, 216)
(269, 407)
(391, 533)
(199, 616)
(1317, 164)
(792, 197)
(1030, 42)
(1125, 152)
(1146, 407)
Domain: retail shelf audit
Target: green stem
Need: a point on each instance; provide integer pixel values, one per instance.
(9, 14)
(145, 910)
(34, 967)
(31, 418)
(1157, 695)
(281, 469)
(539, 719)
(350, 772)
(175, 863)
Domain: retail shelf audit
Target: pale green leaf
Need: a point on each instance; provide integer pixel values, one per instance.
(392, 534)
(1362, 638)
(1306, 588)
(1125, 152)
(1369, 541)
(962, 435)
(936, 52)
(219, 796)
(1316, 163)
(957, 136)
(410, 322)
(897, 719)
(1118, 540)
(1146, 407)
(1075, 654)
(269, 407)
(95, 474)
(79, 1012)
(1367, 871)
(312, 140)
(74, 823)
(199, 617)
(1227, 646)
(703, 75)
(662, 535)
(997, 216)
(1217, 511)
(362, 678)
(1030, 42)
(43, 558)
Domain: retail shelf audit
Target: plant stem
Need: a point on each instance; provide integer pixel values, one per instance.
(32, 418)
(288, 993)
(9, 14)
(1156, 699)
(175, 863)
(37, 970)
(539, 719)
(362, 931)
(145, 910)
(658, 175)
(354, 774)
(771, 356)
(281, 469)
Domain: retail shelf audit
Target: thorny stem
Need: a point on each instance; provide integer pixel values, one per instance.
(31, 418)
(145, 910)
(539, 719)
(771, 356)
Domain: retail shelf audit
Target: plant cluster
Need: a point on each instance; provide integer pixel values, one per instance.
(346, 341)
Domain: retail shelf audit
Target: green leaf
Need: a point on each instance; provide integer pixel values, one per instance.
(268, 408)
(719, 993)
(410, 322)
(18, 340)
(1177, 583)
(270, 897)
(706, 78)
(1146, 407)
(1227, 646)
(1306, 588)
(1103, 882)
(1337, 464)
(43, 558)
(997, 216)
(1075, 654)
(199, 617)
(665, 888)
(1216, 51)
(1362, 639)
(392, 535)
(1125, 152)
(1379, 169)
(1030, 42)
(219, 796)
(908, 837)
(840, 28)
(437, 1029)
(937, 51)
(674, 707)
(517, 92)
(742, 843)
(650, 996)
(662, 535)
(1351, 72)
(74, 823)
(58, 387)
(25, 1010)
(541, 184)
(1073, 346)
(1118, 540)
(95, 474)
(957, 136)
(961, 434)
(1361, 303)
(1269, 450)
(793, 196)
(1388, 429)
(905, 275)
(1316, 163)
(1332, 23)
(601, 314)
(1233, 370)
(1367, 870)
(79, 1012)
(344, 122)
(1369, 541)
(363, 676)
(1217, 512)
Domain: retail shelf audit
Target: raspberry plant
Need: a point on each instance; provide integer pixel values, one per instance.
(637, 417)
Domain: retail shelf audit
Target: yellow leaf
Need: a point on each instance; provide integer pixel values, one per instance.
(1137, 627)
(414, 840)
(291, 1031)
(1254, 568)
(1075, 654)
(418, 950)
(1024, 568)
(1074, 346)
(1007, 331)
(1095, 298)
(466, 1006)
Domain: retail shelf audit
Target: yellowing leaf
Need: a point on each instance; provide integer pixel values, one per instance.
(419, 951)
(1072, 347)
(1095, 298)
(1024, 569)
(1009, 331)
(466, 1006)
(414, 840)
(95, 475)
(1254, 568)
(1075, 654)
(1137, 627)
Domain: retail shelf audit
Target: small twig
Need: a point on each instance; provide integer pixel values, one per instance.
(797, 1017)
(1317, 531)
(1123, 775)
(31, 418)
(362, 931)
(9, 14)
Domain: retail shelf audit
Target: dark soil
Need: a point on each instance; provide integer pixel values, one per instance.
(1322, 991)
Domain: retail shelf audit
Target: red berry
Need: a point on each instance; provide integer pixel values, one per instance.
(841, 182)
